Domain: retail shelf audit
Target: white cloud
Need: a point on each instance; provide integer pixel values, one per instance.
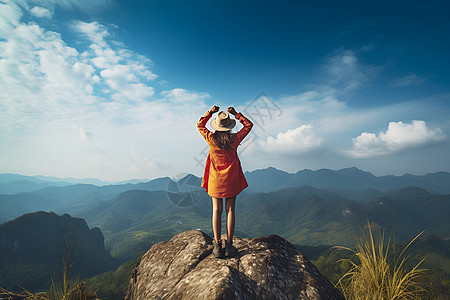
(47, 85)
(41, 12)
(398, 137)
(110, 91)
(408, 80)
(300, 140)
(314, 107)
(126, 74)
(345, 72)
(84, 135)
(179, 95)
(39, 75)
(123, 80)
(93, 31)
(85, 5)
(314, 101)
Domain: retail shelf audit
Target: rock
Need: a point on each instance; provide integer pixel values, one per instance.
(265, 268)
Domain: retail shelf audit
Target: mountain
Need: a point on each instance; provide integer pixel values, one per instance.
(304, 215)
(432, 209)
(31, 250)
(350, 183)
(127, 210)
(310, 216)
(308, 208)
(262, 180)
(68, 199)
(134, 219)
(438, 182)
(411, 210)
(271, 179)
(266, 180)
(72, 180)
(14, 183)
(25, 186)
(133, 215)
(9, 177)
(350, 178)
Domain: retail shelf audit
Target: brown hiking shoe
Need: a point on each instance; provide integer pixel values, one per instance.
(230, 250)
(217, 250)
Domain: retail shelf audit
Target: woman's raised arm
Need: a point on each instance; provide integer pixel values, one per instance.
(244, 121)
(201, 125)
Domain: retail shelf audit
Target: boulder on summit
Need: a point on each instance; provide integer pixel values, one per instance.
(265, 268)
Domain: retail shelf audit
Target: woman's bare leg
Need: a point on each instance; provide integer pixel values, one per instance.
(229, 207)
(216, 217)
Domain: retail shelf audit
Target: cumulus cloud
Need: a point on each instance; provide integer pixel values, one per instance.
(122, 79)
(398, 137)
(41, 12)
(47, 85)
(40, 76)
(127, 75)
(93, 31)
(300, 140)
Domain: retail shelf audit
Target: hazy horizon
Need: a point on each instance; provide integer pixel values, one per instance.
(183, 174)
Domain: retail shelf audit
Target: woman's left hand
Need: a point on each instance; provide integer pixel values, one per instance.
(231, 110)
(213, 110)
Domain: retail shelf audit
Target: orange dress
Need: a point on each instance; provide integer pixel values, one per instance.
(223, 176)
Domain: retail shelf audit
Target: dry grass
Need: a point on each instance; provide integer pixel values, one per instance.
(378, 272)
(79, 291)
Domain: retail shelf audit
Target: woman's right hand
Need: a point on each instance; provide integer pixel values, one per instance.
(213, 110)
(231, 110)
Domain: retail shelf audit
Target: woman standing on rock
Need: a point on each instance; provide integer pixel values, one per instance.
(223, 176)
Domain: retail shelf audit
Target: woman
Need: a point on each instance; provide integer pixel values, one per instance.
(223, 176)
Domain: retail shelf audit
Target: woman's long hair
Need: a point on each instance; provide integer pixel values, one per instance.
(223, 139)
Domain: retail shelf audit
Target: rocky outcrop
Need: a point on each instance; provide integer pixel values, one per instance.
(33, 245)
(265, 268)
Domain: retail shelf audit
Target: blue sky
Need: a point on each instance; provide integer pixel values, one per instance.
(113, 89)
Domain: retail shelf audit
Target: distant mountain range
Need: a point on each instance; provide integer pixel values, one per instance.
(117, 209)
(67, 199)
(271, 179)
(262, 180)
(15, 183)
(63, 197)
(323, 207)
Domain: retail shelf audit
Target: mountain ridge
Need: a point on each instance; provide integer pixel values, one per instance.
(305, 215)
(348, 178)
(351, 182)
